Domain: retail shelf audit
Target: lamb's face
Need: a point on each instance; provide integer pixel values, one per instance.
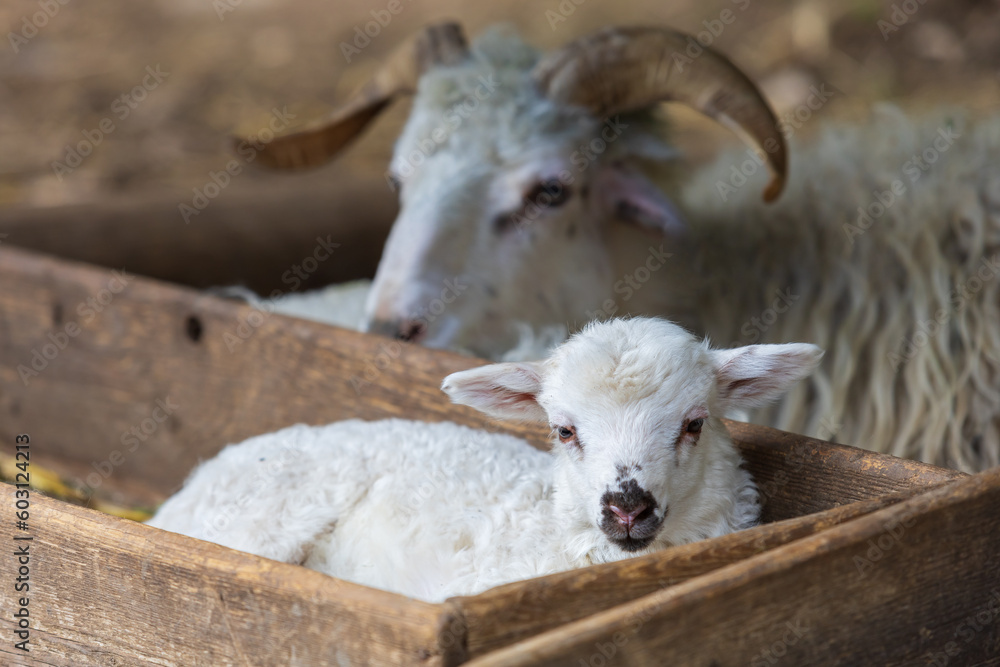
(634, 419)
(634, 406)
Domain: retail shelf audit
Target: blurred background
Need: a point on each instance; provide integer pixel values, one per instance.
(155, 89)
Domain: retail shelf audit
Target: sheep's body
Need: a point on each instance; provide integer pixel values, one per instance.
(428, 510)
(410, 507)
(342, 305)
(907, 309)
(640, 462)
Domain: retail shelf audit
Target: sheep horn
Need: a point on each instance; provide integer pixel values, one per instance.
(617, 70)
(442, 44)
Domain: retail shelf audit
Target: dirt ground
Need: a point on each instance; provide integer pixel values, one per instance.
(157, 86)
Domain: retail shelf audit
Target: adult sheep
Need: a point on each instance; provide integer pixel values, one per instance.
(524, 185)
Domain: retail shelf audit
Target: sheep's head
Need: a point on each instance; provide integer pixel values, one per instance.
(634, 406)
(502, 200)
(512, 166)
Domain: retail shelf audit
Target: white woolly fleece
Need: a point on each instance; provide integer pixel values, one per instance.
(428, 510)
(905, 297)
(433, 510)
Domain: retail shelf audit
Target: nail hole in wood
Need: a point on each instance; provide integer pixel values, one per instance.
(194, 328)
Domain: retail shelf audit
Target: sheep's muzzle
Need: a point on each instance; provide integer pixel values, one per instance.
(628, 516)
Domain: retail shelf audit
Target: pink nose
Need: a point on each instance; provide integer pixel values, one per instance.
(628, 518)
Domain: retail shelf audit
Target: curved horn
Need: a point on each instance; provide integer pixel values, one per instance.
(617, 70)
(312, 146)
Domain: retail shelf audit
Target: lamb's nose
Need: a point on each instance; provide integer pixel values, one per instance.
(630, 516)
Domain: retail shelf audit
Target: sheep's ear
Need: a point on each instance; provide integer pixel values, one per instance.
(506, 391)
(627, 195)
(757, 374)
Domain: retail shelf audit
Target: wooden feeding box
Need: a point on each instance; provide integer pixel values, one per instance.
(863, 557)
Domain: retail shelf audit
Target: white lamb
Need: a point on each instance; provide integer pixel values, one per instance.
(639, 461)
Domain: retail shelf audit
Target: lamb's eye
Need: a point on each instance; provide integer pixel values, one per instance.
(566, 433)
(550, 193)
(694, 426)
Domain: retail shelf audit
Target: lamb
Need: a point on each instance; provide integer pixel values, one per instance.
(639, 462)
(552, 194)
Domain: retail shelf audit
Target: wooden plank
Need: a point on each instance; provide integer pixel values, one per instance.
(250, 238)
(797, 475)
(507, 614)
(233, 371)
(228, 378)
(104, 591)
(917, 582)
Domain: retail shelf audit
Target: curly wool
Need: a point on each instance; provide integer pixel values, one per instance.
(434, 510)
(453, 512)
(906, 301)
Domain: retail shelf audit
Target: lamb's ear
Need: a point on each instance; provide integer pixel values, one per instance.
(506, 391)
(627, 195)
(757, 374)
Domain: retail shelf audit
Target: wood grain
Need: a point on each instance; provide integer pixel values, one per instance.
(797, 475)
(907, 584)
(507, 614)
(139, 350)
(105, 591)
(240, 238)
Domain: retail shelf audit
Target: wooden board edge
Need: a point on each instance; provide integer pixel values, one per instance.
(107, 573)
(858, 538)
(508, 614)
(747, 435)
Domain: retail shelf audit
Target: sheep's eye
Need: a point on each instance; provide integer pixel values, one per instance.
(565, 433)
(694, 426)
(394, 183)
(550, 193)
(544, 195)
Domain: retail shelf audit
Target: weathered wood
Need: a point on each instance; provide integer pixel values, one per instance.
(507, 614)
(797, 475)
(248, 238)
(105, 591)
(234, 371)
(914, 583)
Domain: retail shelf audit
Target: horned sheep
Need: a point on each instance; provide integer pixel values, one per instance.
(639, 462)
(547, 184)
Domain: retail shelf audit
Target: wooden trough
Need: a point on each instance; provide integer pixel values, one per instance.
(864, 558)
